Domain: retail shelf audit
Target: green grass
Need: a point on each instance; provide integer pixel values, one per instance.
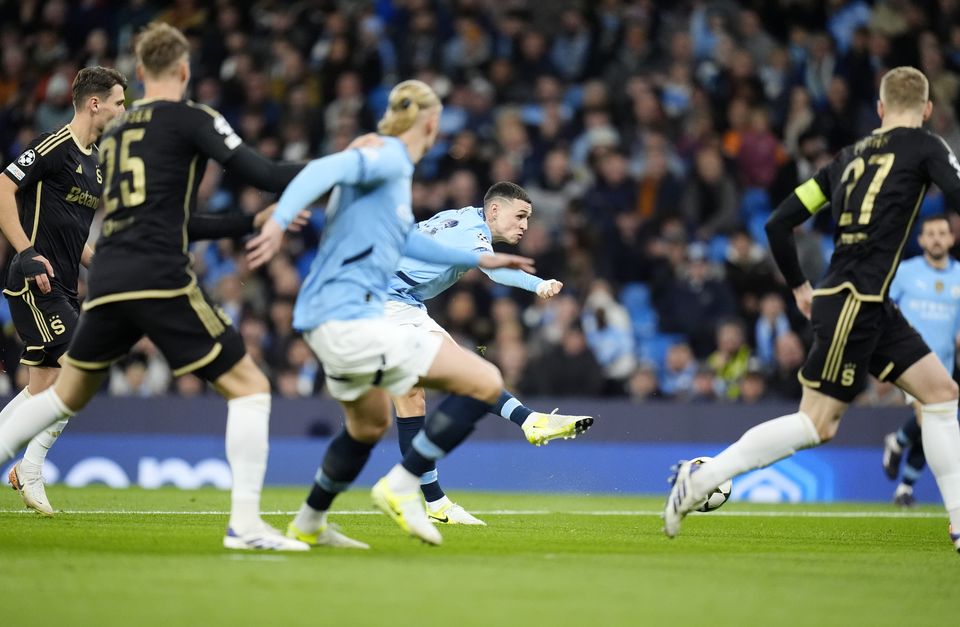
(556, 568)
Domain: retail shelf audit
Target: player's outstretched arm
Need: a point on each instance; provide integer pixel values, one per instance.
(792, 212)
(315, 180)
(202, 226)
(544, 288)
(33, 265)
(419, 246)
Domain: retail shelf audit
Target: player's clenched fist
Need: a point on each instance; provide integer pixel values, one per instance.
(549, 288)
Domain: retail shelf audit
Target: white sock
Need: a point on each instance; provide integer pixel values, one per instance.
(33, 416)
(248, 425)
(440, 502)
(15, 402)
(758, 447)
(309, 520)
(39, 446)
(941, 444)
(402, 480)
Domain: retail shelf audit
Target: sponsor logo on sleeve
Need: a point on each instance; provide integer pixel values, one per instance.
(15, 171)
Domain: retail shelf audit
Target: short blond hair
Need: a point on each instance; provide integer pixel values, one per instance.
(904, 89)
(159, 47)
(406, 102)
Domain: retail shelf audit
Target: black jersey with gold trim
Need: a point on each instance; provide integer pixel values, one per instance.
(59, 184)
(874, 188)
(153, 157)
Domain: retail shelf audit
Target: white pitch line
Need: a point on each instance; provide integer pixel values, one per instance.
(530, 512)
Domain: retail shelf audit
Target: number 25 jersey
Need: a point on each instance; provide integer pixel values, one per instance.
(874, 189)
(152, 158)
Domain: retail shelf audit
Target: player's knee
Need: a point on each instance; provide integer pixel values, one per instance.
(369, 430)
(489, 384)
(413, 403)
(944, 391)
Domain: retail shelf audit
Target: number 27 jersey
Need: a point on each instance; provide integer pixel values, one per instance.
(874, 189)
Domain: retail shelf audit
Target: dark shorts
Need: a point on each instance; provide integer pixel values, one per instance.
(45, 323)
(193, 335)
(853, 338)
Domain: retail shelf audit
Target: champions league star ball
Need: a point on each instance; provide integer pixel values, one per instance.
(719, 496)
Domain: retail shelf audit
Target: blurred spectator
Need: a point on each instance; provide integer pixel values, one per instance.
(643, 384)
(771, 324)
(693, 304)
(710, 204)
(609, 335)
(566, 370)
(679, 372)
(731, 358)
(753, 389)
(789, 357)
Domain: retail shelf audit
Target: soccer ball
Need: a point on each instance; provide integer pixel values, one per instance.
(719, 496)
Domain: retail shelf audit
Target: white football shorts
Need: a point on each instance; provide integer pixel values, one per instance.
(374, 352)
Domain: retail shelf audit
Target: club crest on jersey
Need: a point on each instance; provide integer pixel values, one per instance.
(446, 224)
(26, 159)
(938, 286)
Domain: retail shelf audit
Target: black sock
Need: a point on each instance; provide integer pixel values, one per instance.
(916, 460)
(343, 461)
(911, 430)
(445, 429)
(407, 428)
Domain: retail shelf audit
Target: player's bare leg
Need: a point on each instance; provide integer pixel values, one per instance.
(247, 393)
(928, 382)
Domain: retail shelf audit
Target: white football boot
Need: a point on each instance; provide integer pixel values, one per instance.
(447, 512)
(31, 490)
(265, 538)
(540, 428)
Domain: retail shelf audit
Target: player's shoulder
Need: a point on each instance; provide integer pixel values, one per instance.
(199, 107)
(49, 144)
(911, 265)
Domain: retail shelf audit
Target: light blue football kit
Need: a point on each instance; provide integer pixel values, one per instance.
(416, 281)
(369, 227)
(930, 301)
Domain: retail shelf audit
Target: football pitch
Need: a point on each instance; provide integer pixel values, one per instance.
(153, 557)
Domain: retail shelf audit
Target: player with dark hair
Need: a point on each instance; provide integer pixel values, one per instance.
(874, 189)
(47, 201)
(503, 218)
(927, 290)
(340, 309)
(141, 282)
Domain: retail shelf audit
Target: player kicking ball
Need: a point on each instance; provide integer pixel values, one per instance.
(340, 309)
(503, 218)
(927, 290)
(874, 188)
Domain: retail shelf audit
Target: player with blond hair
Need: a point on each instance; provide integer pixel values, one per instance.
(874, 189)
(340, 309)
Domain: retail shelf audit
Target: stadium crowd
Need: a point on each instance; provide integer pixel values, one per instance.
(653, 137)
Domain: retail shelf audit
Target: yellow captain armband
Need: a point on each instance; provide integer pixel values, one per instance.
(811, 196)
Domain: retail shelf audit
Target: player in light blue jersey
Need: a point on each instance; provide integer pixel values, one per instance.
(340, 310)
(927, 290)
(503, 218)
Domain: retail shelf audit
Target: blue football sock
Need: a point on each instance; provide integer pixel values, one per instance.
(909, 433)
(343, 461)
(510, 408)
(407, 429)
(445, 429)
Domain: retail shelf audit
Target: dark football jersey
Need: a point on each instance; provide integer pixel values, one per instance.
(153, 157)
(59, 191)
(874, 188)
